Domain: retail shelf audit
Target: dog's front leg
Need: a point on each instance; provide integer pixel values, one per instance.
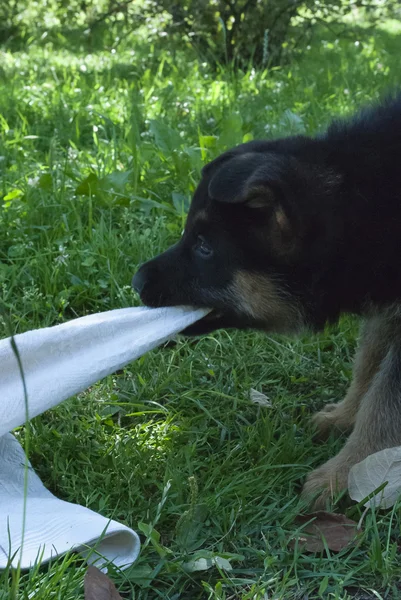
(376, 335)
(377, 426)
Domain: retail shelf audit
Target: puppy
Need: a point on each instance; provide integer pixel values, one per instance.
(289, 234)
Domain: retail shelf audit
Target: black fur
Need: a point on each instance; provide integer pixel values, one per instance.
(325, 229)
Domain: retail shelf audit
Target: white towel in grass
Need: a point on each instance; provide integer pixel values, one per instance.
(59, 362)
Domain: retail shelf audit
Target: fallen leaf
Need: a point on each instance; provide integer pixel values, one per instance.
(372, 473)
(259, 398)
(336, 531)
(98, 586)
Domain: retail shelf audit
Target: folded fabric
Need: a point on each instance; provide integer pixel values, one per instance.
(59, 362)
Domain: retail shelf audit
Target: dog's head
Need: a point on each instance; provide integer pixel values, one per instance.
(243, 251)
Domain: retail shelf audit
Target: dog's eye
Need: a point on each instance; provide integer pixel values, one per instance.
(202, 248)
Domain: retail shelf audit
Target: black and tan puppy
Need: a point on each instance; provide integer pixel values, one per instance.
(289, 234)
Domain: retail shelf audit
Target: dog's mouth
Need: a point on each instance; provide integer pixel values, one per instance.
(215, 319)
(207, 324)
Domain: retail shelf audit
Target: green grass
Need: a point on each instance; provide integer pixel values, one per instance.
(99, 155)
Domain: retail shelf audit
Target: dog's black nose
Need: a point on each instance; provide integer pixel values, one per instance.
(139, 280)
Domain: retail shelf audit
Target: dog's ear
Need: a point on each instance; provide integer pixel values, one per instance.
(234, 180)
(252, 179)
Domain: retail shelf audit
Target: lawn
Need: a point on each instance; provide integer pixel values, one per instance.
(99, 154)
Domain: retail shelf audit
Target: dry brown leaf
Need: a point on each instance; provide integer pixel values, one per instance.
(321, 527)
(98, 586)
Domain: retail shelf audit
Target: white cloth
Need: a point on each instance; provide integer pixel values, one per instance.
(59, 362)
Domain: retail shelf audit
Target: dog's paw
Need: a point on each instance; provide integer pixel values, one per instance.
(332, 417)
(324, 483)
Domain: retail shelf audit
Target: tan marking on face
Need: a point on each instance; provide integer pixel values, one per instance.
(259, 297)
(282, 221)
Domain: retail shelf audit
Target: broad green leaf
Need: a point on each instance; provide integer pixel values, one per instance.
(45, 182)
(16, 193)
(167, 139)
(147, 204)
(120, 200)
(199, 564)
(76, 280)
(180, 202)
(196, 158)
(16, 250)
(223, 563)
(202, 560)
(140, 574)
(204, 564)
(88, 186)
(116, 181)
(89, 261)
(153, 536)
(231, 131)
(323, 585)
(208, 141)
(190, 527)
(291, 124)
(147, 529)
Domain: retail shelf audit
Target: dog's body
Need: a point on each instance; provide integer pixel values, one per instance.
(287, 234)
